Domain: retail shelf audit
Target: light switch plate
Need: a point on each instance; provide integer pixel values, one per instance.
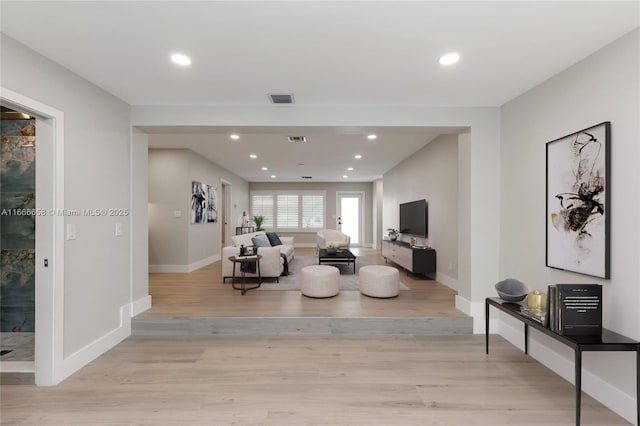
(118, 229)
(71, 231)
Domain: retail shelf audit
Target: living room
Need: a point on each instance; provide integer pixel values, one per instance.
(171, 172)
(500, 219)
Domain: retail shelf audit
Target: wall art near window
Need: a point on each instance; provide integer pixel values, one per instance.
(212, 207)
(198, 202)
(578, 193)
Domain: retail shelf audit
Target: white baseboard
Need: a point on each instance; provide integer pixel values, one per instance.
(463, 304)
(447, 280)
(183, 269)
(202, 263)
(475, 310)
(168, 269)
(140, 305)
(93, 350)
(541, 349)
(17, 367)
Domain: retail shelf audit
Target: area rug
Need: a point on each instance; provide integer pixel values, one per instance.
(348, 280)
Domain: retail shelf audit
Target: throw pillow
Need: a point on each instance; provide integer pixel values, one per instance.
(261, 241)
(274, 239)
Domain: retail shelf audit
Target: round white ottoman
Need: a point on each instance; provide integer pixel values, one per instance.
(379, 281)
(320, 281)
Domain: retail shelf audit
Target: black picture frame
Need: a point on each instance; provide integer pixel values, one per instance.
(578, 200)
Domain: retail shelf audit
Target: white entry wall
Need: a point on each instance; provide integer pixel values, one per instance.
(92, 301)
(603, 87)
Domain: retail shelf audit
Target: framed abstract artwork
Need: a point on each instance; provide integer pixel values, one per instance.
(212, 207)
(198, 202)
(577, 201)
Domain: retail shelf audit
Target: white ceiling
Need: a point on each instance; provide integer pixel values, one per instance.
(325, 53)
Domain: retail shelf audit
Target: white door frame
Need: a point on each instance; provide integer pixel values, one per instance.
(227, 202)
(49, 285)
(361, 195)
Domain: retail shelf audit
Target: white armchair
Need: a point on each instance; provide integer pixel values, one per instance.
(339, 240)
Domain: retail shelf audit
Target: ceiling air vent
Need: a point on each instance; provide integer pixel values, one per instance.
(297, 139)
(307, 177)
(281, 98)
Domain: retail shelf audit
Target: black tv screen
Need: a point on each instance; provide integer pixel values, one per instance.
(414, 218)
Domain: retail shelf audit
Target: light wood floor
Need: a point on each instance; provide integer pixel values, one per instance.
(203, 294)
(302, 380)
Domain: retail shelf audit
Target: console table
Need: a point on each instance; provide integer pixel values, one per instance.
(420, 260)
(244, 230)
(608, 341)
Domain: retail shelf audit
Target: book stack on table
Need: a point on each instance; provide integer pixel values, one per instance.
(575, 309)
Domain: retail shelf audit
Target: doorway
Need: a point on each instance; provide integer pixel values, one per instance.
(225, 208)
(350, 216)
(48, 270)
(17, 237)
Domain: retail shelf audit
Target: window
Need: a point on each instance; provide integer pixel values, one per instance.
(313, 211)
(290, 210)
(262, 205)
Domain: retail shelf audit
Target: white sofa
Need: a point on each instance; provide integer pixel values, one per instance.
(271, 264)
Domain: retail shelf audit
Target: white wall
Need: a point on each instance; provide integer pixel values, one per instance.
(139, 222)
(169, 192)
(96, 170)
(603, 87)
(432, 174)
(378, 200)
(204, 238)
(464, 228)
(175, 244)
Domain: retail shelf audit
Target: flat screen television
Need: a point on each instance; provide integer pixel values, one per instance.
(414, 218)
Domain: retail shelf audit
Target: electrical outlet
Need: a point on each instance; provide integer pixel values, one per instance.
(177, 213)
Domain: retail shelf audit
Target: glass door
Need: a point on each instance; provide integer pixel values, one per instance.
(350, 216)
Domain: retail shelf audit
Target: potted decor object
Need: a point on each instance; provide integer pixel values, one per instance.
(258, 221)
(393, 234)
(331, 249)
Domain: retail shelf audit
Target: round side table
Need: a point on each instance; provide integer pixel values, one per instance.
(244, 264)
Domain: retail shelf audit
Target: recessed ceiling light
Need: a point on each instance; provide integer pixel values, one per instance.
(265, 168)
(273, 176)
(234, 136)
(253, 156)
(350, 169)
(357, 156)
(345, 176)
(450, 58)
(180, 59)
(371, 137)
